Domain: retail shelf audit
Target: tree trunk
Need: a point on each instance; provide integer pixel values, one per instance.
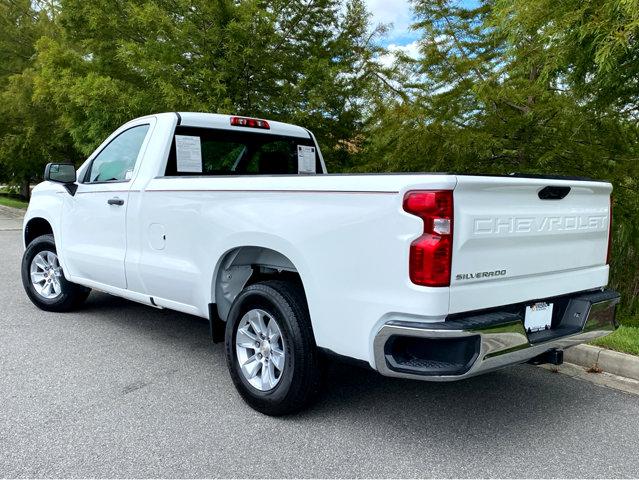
(25, 189)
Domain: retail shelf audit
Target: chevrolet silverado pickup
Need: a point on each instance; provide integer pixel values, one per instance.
(425, 276)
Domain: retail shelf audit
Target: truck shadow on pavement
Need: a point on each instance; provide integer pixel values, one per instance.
(512, 400)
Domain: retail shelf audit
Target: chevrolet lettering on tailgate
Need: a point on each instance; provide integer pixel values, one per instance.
(514, 225)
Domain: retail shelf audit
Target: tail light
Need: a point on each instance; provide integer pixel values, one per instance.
(431, 254)
(608, 255)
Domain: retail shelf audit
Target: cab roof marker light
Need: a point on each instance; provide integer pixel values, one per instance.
(250, 123)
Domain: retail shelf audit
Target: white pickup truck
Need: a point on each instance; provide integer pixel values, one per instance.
(234, 219)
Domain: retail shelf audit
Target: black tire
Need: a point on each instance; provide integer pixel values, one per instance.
(300, 379)
(71, 296)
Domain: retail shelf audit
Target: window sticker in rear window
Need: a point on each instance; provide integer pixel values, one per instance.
(305, 159)
(188, 151)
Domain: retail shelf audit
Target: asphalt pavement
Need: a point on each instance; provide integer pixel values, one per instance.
(118, 389)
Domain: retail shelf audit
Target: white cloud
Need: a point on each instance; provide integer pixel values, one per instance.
(411, 49)
(397, 12)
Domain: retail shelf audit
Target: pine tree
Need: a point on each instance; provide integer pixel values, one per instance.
(304, 61)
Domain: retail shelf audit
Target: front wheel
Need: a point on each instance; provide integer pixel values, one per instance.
(44, 281)
(270, 348)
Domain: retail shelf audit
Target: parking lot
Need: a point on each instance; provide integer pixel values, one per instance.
(122, 390)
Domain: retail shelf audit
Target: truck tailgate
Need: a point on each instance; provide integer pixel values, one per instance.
(515, 239)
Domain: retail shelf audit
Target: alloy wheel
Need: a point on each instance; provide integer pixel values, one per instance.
(260, 349)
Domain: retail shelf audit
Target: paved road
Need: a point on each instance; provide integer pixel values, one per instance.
(123, 390)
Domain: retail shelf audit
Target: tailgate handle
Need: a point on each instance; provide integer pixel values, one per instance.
(553, 193)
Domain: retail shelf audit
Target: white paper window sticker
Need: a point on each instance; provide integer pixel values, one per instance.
(188, 153)
(305, 159)
(128, 174)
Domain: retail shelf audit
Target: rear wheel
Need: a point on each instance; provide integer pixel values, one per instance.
(270, 349)
(44, 281)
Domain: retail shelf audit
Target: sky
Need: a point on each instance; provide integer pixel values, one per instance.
(398, 12)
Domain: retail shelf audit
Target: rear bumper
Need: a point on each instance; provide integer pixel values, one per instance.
(474, 343)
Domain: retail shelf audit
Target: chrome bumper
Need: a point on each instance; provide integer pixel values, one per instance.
(483, 342)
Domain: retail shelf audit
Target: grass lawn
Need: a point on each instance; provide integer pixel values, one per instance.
(625, 339)
(8, 201)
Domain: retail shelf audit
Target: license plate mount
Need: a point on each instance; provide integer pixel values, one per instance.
(538, 317)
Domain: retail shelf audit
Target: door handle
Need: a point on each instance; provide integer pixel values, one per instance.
(115, 201)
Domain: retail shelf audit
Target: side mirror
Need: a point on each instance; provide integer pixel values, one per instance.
(62, 173)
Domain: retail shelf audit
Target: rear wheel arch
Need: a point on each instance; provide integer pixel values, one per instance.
(243, 266)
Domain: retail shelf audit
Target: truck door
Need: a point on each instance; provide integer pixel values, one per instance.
(93, 227)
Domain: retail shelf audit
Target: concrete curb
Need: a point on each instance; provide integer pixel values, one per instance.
(609, 361)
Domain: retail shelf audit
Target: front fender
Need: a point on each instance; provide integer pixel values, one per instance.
(46, 203)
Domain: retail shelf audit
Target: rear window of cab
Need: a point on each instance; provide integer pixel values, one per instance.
(209, 152)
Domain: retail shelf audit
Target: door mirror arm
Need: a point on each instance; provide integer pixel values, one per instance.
(71, 188)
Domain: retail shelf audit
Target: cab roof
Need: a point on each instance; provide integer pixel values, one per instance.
(219, 121)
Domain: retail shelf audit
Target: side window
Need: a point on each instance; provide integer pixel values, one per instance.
(116, 161)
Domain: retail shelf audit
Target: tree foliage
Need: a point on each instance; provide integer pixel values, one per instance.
(299, 61)
(31, 133)
(592, 45)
